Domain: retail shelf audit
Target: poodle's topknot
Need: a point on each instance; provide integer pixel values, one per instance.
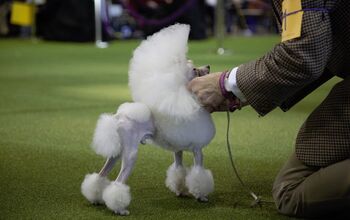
(159, 71)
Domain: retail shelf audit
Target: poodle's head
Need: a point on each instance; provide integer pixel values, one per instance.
(196, 71)
(159, 72)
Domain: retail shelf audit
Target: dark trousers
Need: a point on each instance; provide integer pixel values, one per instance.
(315, 181)
(305, 191)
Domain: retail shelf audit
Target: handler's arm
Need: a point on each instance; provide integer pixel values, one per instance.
(266, 82)
(289, 66)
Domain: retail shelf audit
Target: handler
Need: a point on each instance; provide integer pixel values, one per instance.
(315, 46)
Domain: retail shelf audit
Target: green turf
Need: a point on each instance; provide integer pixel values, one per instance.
(50, 97)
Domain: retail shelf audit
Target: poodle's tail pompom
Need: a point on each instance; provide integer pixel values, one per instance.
(200, 182)
(93, 186)
(106, 141)
(117, 197)
(175, 179)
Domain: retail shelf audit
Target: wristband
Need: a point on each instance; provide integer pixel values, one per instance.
(234, 102)
(222, 79)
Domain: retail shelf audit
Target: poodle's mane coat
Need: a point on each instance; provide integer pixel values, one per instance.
(159, 72)
(163, 111)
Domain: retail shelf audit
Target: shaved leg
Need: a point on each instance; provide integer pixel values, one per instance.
(110, 162)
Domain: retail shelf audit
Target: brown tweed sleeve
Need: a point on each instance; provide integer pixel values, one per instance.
(289, 66)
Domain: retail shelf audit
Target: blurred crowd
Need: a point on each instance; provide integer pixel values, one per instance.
(74, 20)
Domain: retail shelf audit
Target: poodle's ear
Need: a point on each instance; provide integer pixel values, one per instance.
(201, 71)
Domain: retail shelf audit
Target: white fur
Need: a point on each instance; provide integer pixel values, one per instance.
(164, 110)
(158, 76)
(159, 71)
(200, 182)
(175, 179)
(136, 111)
(106, 141)
(117, 197)
(184, 135)
(92, 187)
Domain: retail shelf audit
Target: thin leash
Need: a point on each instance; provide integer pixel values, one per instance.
(257, 199)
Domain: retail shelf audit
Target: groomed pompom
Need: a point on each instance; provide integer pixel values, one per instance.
(117, 197)
(135, 111)
(200, 182)
(92, 187)
(106, 141)
(175, 179)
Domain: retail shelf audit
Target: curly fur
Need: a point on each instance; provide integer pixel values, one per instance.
(175, 179)
(92, 187)
(200, 182)
(117, 197)
(135, 111)
(156, 76)
(106, 141)
(163, 111)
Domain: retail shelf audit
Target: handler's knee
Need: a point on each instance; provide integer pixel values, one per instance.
(302, 191)
(287, 200)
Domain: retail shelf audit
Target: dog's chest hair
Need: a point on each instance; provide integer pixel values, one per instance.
(176, 135)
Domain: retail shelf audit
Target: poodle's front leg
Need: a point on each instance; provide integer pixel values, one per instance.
(198, 157)
(199, 181)
(176, 175)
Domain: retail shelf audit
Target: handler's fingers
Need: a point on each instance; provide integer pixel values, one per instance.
(215, 100)
(222, 107)
(190, 85)
(210, 109)
(194, 85)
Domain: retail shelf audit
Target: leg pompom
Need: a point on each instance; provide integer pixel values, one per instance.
(92, 187)
(117, 197)
(200, 183)
(175, 179)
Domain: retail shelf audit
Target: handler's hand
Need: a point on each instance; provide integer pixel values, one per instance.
(208, 92)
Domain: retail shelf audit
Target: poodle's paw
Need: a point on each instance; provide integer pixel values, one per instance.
(117, 197)
(92, 187)
(203, 199)
(175, 180)
(200, 183)
(122, 212)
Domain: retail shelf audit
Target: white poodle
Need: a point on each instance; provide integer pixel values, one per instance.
(163, 112)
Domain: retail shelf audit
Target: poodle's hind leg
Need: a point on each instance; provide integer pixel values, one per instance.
(176, 174)
(199, 181)
(117, 195)
(93, 185)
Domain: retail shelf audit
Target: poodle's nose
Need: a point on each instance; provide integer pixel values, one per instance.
(208, 67)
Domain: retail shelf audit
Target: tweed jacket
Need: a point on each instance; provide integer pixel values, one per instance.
(294, 68)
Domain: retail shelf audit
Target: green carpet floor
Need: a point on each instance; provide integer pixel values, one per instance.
(51, 95)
